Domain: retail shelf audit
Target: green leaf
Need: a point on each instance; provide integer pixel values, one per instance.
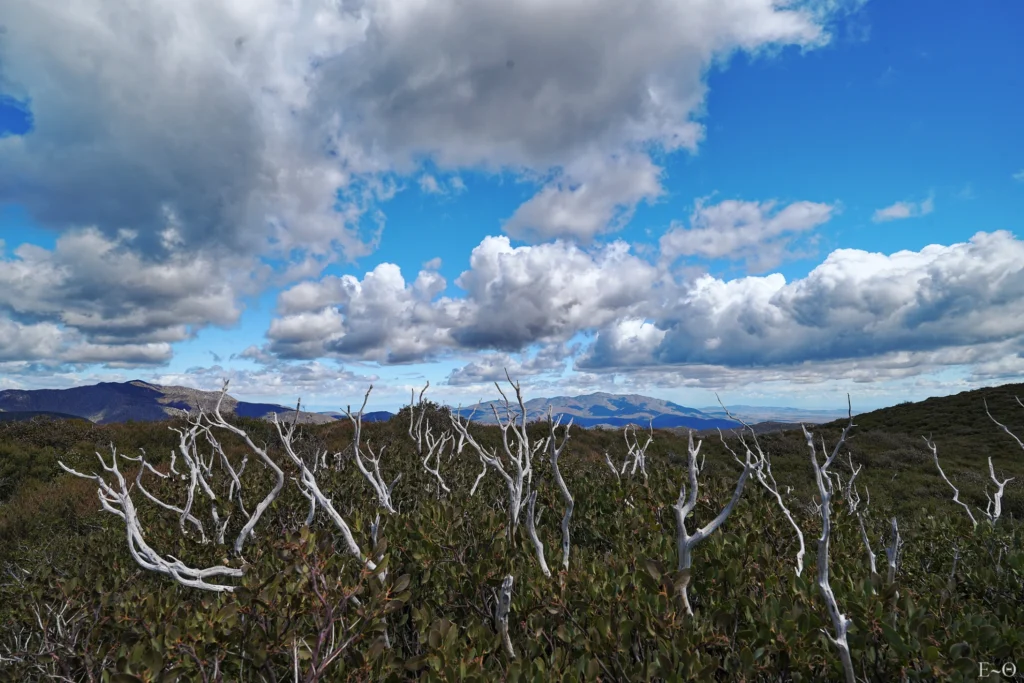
(895, 640)
(401, 583)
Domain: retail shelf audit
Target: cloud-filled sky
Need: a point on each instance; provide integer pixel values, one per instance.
(781, 201)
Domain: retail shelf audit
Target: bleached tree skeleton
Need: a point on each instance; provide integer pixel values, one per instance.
(556, 453)
(685, 541)
(118, 501)
(840, 622)
(421, 434)
(764, 475)
(995, 501)
(637, 452)
(376, 481)
(518, 481)
(311, 489)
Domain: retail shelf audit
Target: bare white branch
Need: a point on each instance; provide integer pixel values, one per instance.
(556, 453)
(685, 541)
(956, 491)
(764, 475)
(520, 462)
(637, 452)
(218, 421)
(840, 622)
(501, 614)
(118, 501)
(531, 530)
(892, 551)
(374, 477)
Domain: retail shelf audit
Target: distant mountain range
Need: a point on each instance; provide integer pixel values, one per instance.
(617, 410)
(141, 401)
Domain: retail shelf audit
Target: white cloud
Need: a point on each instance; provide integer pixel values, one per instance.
(114, 303)
(755, 231)
(901, 210)
(1019, 176)
(429, 185)
(855, 306)
(897, 315)
(514, 297)
(539, 83)
(51, 346)
(595, 196)
(230, 133)
(487, 368)
(313, 381)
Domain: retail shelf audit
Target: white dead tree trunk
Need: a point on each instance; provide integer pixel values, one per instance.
(892, 551)
(501, 615)
(183, 514)
(217, 420)
(311, 489)
(764, 475)
(686, 541)
(420, 433)
(637, 452)
(840, 622)
(1001, 425)
(995, 501)
(611, 465)
(532, 520)
(518, 481)
(116, 499)
(556, 453)
(377, 483)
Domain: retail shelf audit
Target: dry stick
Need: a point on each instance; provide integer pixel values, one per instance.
(376, 481)
(684, 506)
(840, 622)
(501, 614)
(956, 491)
(518, 482)
(556, 453)
(531, 530)
(220, 422)
(118, 502)
(767, 480)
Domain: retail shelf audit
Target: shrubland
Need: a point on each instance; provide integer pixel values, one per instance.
(348, 574)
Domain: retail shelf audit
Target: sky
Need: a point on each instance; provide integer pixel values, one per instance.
(779, 201)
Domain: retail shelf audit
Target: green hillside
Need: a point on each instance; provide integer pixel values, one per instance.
(614, 615)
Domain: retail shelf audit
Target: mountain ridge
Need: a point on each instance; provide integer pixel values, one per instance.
(110, 402)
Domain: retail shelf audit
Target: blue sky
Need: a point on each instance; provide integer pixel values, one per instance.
(695, 198)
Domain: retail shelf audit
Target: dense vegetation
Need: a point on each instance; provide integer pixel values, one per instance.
(74, 605)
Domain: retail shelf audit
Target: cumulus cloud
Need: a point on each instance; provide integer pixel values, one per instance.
(273, 131)
(245, 120)
(514, 297)
(378, 318)
(313, 381)
(896, 314)
(586, 199)
(549, 359)
(98, 300)
(537, 84)
(49, 346)
(855, 305)
(186, 110)
(901, 210)
(758, 232)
